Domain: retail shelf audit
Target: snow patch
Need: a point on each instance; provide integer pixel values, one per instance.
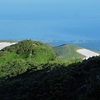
(87, 53)
(5, 44)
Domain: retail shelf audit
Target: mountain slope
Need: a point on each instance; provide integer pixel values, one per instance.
(22, 79)
(28, 50)
(18, 58)
(78, 81)
(67, 52)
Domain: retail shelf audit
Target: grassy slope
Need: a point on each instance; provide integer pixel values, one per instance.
(27, 50)
(67, 52)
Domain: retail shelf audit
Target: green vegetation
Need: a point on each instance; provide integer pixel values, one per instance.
(28, 50)
(54, 81)
(67, 52)
(17, 58)
(30, 70)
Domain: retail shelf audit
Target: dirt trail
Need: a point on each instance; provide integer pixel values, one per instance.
(68, 49)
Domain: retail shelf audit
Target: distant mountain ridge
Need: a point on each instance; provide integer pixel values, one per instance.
(62, 48)
(67, 52)
(89, 44)
(72, 52)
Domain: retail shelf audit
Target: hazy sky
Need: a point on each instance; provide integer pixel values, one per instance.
(51, 19)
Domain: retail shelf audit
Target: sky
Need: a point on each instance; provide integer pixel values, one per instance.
(50, 19)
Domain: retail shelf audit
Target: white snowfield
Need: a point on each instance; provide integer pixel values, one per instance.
(87, 53)
(5, 44)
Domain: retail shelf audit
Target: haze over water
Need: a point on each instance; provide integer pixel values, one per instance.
(50, 19)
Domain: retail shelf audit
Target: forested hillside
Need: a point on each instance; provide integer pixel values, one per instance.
(28, 50)
(18, 58)
(30, 70)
